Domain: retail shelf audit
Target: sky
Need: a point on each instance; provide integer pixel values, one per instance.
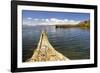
(32, 18)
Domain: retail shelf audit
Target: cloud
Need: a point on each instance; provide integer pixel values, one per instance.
(54, 20)
(72, 22)
(35, 19)
(46, 20)
(29, 18)
(50, 21)
(65, 20)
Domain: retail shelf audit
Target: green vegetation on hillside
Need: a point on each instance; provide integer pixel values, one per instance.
(85, 24)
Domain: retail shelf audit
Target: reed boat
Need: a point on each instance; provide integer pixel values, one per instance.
(45, 51)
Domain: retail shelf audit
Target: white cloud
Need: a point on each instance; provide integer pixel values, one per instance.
(50, 21)
(65, 20)
(35, 19)
(73, 22)
(29, 18)
(42, 19)
(54, 20)
(46, 20)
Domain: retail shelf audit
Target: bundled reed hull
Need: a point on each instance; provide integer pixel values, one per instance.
(45, 51)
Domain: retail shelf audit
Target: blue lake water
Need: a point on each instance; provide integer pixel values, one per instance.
(74, 43)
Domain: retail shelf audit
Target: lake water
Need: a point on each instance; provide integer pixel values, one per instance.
(74, 43)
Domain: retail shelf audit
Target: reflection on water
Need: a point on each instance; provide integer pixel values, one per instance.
(74, 43)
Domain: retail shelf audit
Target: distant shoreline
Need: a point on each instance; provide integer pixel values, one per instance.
(84, 24)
